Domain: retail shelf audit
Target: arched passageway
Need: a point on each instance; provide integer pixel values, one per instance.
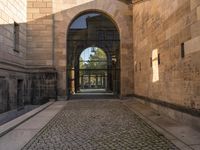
(93, 59)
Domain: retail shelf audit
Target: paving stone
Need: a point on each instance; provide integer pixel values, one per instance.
(98, 125)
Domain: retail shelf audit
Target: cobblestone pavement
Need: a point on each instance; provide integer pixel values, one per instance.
(98, 125)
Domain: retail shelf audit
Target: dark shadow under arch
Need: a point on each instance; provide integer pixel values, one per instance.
(93, 11)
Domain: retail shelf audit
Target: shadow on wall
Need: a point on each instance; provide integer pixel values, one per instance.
(18, 89)
(42, 26)
(29, 75)
(21, 84)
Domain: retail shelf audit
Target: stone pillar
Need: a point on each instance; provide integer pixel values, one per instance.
(96, 81)
(72, 84)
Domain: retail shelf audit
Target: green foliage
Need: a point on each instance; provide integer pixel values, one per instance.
(97, 60)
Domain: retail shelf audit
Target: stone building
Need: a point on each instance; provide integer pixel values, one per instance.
(159, 50)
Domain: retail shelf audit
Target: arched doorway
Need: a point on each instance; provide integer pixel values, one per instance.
(93, 59)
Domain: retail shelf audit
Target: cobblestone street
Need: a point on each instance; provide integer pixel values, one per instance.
(98, 125)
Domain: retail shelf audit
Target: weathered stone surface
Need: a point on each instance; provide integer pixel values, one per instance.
(11, 60)
(39, 33)
(170, 26)
(4, 95)
(64, 15)
(192, 45)
(165, 25)
(41, 87)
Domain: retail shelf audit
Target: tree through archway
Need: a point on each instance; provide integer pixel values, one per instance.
(93, 54)
(93, 65)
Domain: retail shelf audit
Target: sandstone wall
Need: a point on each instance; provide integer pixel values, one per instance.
(47, 24)
(39, 33)
(21, 84)
(12, 11)
(64, 13)
(41, 82)
(40, 87)
(12, 60)
(165, 29)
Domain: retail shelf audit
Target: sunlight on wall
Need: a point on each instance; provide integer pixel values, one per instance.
(72, 86)
(155, 65)
(13, 10)
(60, 5)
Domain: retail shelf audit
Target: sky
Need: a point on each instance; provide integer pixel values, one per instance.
(80, 23)
(86, 53)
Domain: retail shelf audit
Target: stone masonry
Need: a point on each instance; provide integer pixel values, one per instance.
(39, 24)
(159, 49)
(11, 61)
(172, 27)
(19, 83)
(50, 21)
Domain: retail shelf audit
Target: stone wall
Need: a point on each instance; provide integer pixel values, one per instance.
(159, 48)
(4, 96)
(12, 58)
(41, 81)
(18, 88)
(12, 11)
(21, 84)
(40, 87)
(39, 33)
(42, 49)
(47, 24)
(166, 51)
(64, 13)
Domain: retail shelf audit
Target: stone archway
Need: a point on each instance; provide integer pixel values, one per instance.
(91, 80)
(120, 13)
(93, 29)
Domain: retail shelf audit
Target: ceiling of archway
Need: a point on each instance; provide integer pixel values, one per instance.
(131, 1)
(126, 1)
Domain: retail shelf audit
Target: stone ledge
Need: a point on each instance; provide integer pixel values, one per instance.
(16, 122)
(182, 114)
(9, 66)
(165, 125)
(187, 110)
